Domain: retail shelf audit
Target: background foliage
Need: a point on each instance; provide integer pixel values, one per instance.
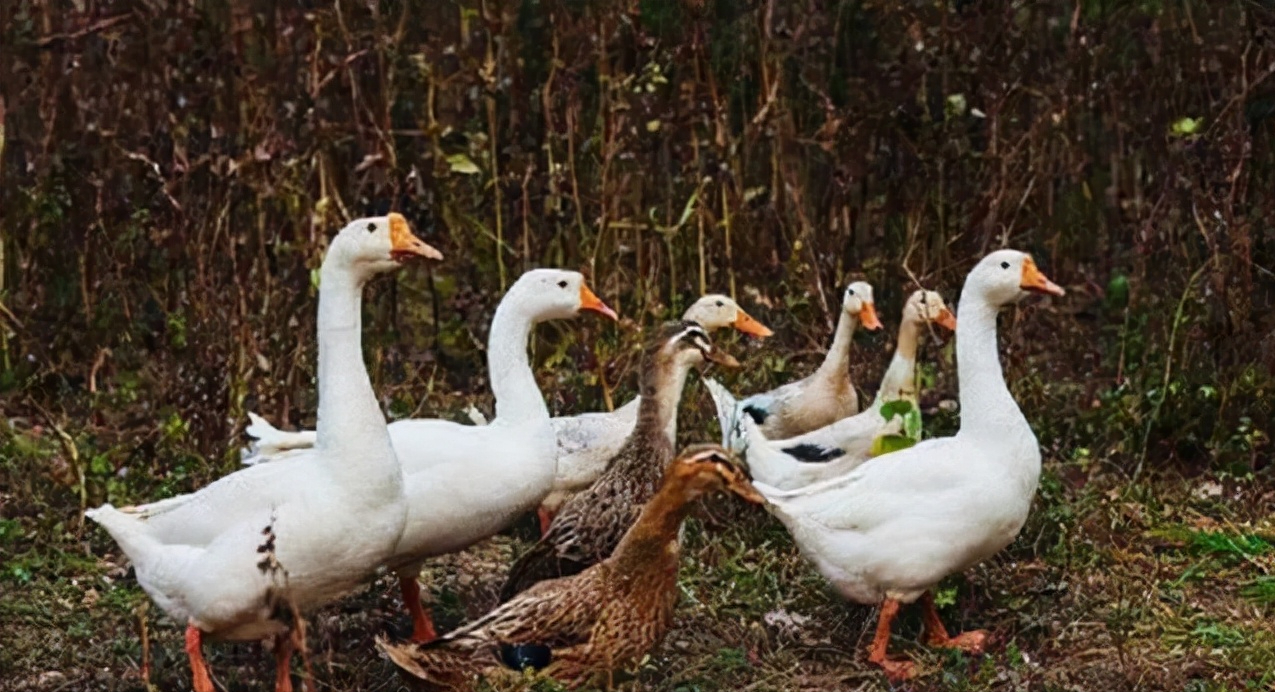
(169, 174)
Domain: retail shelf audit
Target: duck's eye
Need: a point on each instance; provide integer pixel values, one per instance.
(371, 227)
(849, 291)
(1004, 265)
(562, 284)
(720, 304)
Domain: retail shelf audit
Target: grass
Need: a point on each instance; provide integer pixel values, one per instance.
(1111, 585)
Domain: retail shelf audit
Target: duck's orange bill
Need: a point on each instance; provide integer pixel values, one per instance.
(946, 320)
(404, 244)
(745, 323)
(1034, 280)
(868, 317)
(720, 357)
(590, 301)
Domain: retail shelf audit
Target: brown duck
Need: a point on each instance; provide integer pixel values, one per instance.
(591, 523)
(580, 629)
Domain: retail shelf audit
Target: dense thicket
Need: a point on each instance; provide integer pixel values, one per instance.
(171, 171)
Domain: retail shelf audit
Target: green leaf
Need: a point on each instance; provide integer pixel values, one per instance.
(898, 407)
(884, 444)
(1183, 127)
(460, 163)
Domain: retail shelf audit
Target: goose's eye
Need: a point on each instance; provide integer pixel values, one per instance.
(562, 284)
(1004, 265)
(371, 227)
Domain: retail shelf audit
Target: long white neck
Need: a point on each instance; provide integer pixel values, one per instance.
(987, 408)
(899, 381)
(836, 364)
(350, 423)
(669, 394)
(518, 397)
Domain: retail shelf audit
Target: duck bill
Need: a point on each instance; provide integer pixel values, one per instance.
(946, 320)
(590, 301)
(722, 358)
(868, 317)
(745, 323)
(1034, 280)
(404, 244)
(745, 489)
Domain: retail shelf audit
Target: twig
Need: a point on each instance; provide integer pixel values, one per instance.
(92, 28)
(1168, 367)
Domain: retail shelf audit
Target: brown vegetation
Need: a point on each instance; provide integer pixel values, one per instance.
(169, 173)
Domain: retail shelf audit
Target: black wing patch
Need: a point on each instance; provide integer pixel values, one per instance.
(757, 414)
(524, 656)
(814, 453)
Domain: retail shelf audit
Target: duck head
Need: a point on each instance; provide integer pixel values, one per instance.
(708, 468)
(377, 244)
(715, 311)
(927, 307)
(1007, 276)
(858, 303)
(555, 294)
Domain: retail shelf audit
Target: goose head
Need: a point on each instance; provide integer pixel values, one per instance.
(377, 244)
(927, 307)
(555, 294)
(715, 311)
(707, 468)
(686, 344)
(1006, 276)
(858, 303)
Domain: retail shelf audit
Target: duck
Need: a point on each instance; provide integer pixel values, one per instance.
(587, 441)
(825, 396)
(581, 629)
(592, 522)
(240, 558)
(838, 448)
(887, 532)
(466, 483)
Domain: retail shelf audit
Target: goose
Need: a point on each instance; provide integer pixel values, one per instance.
(592, 522)
(465, 483)
(581, 629)
(891, 529)
(837, 448)
(825, 396)
(233, 559)
(588, 440)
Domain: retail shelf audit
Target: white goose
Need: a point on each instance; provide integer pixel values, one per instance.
(837, 448)
(587, 441)
(825, 396)
(466, 483)
(890, 530)
(229, 560)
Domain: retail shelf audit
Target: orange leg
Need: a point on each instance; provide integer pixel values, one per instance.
(284, 645)
(546, 518)
(200, 677)
(422, 626)
(896, 671)
(936, 634)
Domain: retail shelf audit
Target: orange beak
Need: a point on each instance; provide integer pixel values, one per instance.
(404, 244)
(868, 317)
(946, 320)
(590, 301)
(1034, 280)
(745, 323)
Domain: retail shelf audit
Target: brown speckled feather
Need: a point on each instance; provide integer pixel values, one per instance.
(591, 523)
(593, 623)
